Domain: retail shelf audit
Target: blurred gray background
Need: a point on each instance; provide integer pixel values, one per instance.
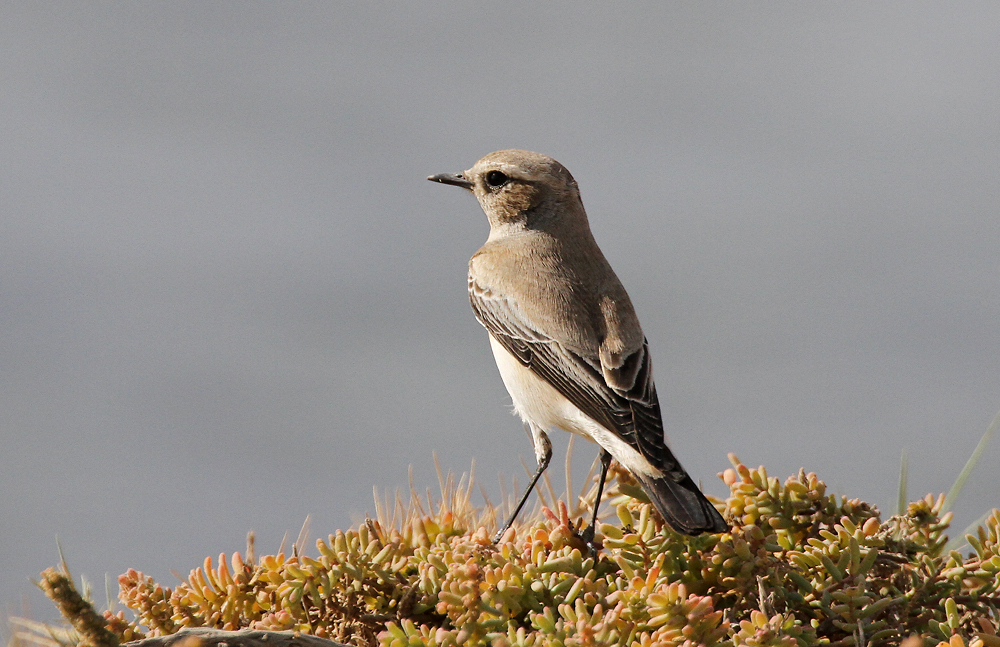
(229, 298)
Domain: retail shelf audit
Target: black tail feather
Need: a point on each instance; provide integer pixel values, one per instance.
(683, 506)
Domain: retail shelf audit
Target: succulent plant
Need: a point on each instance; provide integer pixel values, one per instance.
(800, 566)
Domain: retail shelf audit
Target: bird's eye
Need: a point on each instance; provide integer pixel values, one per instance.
(496, 179)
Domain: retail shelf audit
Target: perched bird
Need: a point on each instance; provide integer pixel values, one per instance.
(564, 334)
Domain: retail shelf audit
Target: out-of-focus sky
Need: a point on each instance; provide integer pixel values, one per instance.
(230, 299)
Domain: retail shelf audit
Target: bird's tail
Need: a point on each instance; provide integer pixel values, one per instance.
(683, 505)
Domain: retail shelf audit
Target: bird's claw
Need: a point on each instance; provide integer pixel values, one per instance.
(587, 537)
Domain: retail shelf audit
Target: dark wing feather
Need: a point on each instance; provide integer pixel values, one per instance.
(633, 415)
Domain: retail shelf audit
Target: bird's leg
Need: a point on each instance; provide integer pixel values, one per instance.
(588, 534)
(543, 454)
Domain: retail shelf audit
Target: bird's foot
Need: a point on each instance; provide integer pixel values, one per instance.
(587, 537)
(500, 534)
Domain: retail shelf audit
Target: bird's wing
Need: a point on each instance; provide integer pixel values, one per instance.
(632, 414)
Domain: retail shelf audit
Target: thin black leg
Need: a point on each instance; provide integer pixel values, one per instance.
(588, 534)
(542, 464)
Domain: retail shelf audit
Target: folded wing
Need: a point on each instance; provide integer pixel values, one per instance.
(632, 414)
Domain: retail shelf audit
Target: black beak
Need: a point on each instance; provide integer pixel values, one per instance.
(454, 179)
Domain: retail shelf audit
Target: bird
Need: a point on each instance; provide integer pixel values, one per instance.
(565, 336)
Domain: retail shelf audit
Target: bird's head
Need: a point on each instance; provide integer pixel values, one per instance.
(516, 186)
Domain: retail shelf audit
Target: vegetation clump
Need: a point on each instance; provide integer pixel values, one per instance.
(800, 566)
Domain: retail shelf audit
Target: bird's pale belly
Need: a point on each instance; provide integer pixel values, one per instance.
(539, 403)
